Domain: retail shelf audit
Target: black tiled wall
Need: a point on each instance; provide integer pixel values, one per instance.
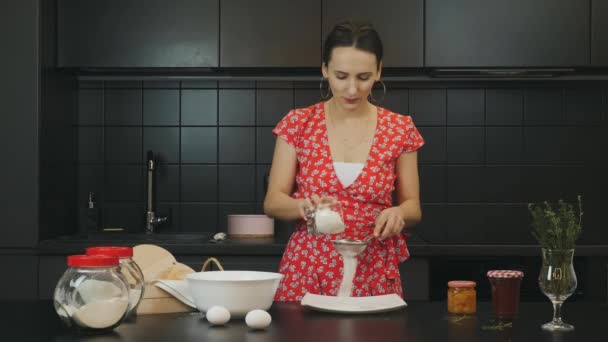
(490, 149)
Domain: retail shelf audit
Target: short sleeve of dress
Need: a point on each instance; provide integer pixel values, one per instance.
(290, 127)
(412, 139)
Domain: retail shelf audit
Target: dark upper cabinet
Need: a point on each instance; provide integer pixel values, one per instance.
(270, 33)
(398, 22)
(20, 88)
(138, 33)
(473, 33)
(599, 32)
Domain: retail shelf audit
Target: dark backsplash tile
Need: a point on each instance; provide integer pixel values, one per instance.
(272, 105)
(489, 151)
(465, 145)
(433, 183)
(163, 142)
(199, 218)
(199, 183)
(199, 107)
(167, 183)
(89, 142)
(237, 107)
(396, 100)
(90, 107)
(123, 144)
(434, 150)
(465, 107)
(465, 184)
(124, 182)
(237, 145)
(265, 144)
(199, 145)
(237, 183)
(123, 107)
(504, 145)
(504, 107)
(543, 106)
(584, 106)
(428, 106)
(306, 97)
(161, 107)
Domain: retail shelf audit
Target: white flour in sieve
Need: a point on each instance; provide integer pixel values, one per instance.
(328, 221)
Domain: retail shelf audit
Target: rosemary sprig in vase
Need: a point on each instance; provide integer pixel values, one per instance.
(556, 230)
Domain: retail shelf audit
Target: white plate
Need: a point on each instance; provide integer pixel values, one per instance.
(353, 304)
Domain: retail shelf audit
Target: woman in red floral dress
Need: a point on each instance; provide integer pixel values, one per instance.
(349, 150)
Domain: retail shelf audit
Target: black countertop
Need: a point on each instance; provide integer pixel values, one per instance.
(420, 321)
(195, 244)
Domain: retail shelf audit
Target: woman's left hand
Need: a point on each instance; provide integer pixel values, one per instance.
(390, 222)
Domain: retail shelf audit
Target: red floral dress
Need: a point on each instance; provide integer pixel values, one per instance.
(310, 263)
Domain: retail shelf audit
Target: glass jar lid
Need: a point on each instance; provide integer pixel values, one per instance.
(505, 274)
(92, 261)
(119, 251)
(461, 283)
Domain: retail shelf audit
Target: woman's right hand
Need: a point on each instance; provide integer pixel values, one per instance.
(307, 205)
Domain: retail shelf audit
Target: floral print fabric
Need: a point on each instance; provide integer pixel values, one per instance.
(311, 263)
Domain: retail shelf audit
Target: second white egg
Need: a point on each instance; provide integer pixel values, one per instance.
(258, 319)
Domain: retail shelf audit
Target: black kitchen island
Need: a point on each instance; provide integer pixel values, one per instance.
(420, 321)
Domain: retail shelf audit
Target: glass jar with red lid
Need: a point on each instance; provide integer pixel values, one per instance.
(92, 294)
(462, 297)
(129, 268)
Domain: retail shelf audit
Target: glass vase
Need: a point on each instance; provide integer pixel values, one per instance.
(557, 281)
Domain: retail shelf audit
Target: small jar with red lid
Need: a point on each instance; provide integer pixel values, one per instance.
(92, 294)
(128, 268)
(462, 297)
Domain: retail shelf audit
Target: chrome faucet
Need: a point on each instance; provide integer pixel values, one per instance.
(151, 219)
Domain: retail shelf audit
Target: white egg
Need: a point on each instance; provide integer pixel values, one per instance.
(218, 315)
(258, 319)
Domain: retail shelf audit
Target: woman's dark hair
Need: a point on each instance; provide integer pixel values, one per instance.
(358, 34)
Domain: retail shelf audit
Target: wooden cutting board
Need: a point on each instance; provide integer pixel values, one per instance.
(158, 263)
(155, 262)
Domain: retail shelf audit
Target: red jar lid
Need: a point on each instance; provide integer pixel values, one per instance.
(505, 274)
(461, 283)
(92, 261)
(121, 252)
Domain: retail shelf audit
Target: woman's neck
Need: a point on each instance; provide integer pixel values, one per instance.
(339, 114)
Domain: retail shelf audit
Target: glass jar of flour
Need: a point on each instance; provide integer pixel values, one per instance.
(92, 294)
(128, 268)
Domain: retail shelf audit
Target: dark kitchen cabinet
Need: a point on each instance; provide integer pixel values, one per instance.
(270, 33)
(138, 33)
(50, 269)
(21, 277)
(488, 33)
(398, 22)
(415, 275)
(19, 96)
(599, 32)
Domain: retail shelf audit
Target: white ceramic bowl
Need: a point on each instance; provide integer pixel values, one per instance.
(237, 291)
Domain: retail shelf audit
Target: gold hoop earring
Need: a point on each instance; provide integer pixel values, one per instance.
(327, 94)
(371, 95)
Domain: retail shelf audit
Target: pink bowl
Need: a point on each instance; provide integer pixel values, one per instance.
(250, 226)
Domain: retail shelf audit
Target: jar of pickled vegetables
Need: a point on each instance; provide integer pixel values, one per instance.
(462, 297)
